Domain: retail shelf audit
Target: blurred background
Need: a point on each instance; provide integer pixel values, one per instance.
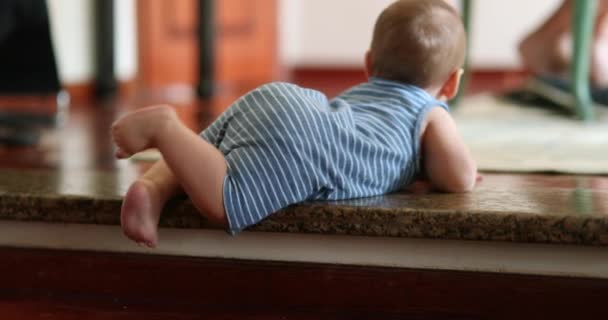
(110, 56)
(158, 45)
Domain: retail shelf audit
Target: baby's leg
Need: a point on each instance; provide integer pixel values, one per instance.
(144, 202)
(198, 166)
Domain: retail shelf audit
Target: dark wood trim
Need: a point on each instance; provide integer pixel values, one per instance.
(326, 78)
(333, 80)
(81, 93)
(207, 27)
(358, 72)
(105, 78)
(84, 93)
(130, 286)
(314, 71)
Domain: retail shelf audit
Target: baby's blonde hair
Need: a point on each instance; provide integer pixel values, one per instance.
(419, 42)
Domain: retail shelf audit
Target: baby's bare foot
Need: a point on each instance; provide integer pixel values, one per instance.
(140, 213)
(546, 54)
(551, 56)
(137, 131)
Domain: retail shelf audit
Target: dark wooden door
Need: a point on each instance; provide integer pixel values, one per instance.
(246, 42)
(168, 43)
(244, 45)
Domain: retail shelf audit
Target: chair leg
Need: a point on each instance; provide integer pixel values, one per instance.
(583, 23)
(467, 11)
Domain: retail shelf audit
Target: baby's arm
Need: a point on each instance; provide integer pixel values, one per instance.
(447, 162)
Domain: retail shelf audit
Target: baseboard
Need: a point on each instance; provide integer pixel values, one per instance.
(333, 80)
(84, 92)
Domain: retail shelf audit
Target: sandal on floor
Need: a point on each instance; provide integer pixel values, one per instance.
(552, 93)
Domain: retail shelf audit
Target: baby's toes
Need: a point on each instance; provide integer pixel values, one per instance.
(115, 133)
(121, 140)
(121, 154)
(116, 129)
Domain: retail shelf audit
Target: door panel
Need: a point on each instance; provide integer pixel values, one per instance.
(168, 43)
(245, 48)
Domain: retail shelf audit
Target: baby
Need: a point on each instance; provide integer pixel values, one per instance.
(281, 144)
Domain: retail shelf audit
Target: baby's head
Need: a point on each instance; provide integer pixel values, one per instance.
(419, 42)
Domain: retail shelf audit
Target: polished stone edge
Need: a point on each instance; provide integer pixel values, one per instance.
(316, 218)
(427, 254)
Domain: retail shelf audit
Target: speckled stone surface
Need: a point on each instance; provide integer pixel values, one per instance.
(541, 209)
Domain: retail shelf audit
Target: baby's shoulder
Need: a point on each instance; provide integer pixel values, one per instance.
(437, 116)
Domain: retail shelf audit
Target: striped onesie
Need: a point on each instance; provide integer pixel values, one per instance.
(284, 144)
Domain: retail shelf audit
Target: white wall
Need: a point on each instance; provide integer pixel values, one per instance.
(338, 32)
(323, 32)
(499, 25)
(290, 31)
(312, 32)
(125, 50)
(72, 33)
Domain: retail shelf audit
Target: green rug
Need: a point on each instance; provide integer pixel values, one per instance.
(507, 137)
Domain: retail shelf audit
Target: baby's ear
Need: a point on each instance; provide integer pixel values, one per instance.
(450, 87)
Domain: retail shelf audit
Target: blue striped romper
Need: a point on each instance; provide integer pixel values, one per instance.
(284, 144)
